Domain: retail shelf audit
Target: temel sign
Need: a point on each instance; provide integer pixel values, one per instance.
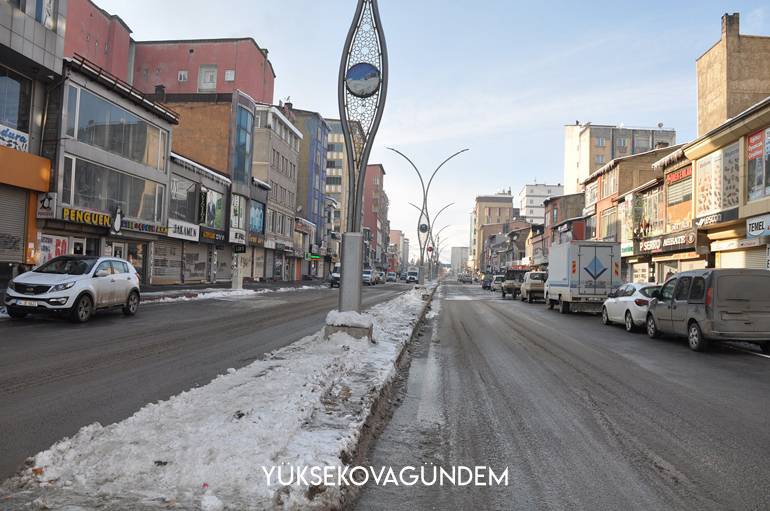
(758, 226)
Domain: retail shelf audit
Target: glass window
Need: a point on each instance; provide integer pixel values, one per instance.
(591, 227)
(237, 212)
(119, 267)
(207, 78)
(648, 291)
(67, 181)
(244, 128)
(102, 189)
(15, 100)
(215, 210)
(257, 217)
(698, 289)
(108, 126)
(105, 266)
(72, 110)
(667, 291)
(682, 288)
(183, 199)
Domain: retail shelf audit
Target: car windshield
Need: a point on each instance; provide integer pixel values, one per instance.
(649, 290)
(67, 265)
(367, 272)
(499, 278)
(537, 276)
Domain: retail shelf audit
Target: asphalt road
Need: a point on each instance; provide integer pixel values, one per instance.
(584, 416)
(56, 377)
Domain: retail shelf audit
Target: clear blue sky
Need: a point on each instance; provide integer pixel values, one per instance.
(500, 77)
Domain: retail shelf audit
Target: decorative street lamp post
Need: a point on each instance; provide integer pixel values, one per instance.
(361, 91)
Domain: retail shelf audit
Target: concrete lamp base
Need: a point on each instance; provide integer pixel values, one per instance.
(354, 324)
(357, 332)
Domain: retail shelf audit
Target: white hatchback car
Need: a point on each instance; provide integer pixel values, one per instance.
(76, 285)
(628, 304)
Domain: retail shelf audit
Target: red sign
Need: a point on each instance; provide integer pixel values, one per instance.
(756, 145)
(430, 249)
(678, 175)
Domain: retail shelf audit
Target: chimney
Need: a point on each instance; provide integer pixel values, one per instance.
(160, 92)
(731, 24)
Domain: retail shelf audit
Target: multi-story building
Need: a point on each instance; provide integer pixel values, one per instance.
(732, 75)
(337, 180)
(489, 209)
(588, 147)
(374, 219)
(32, 35)
(531, 199)
(459, 259)
(563, 219)
(395, 254)
(404, 250)
(311, 184)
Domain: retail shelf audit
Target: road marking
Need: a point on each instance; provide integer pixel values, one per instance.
(736, 348)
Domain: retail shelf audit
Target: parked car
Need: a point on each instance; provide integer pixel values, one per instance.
(334, 278)
(465, 278)
(628, 305)
(486, 281)
(533, 286)
(512, 283)
(403, 276)
(413, 276)
(369, 277)
(713, 305)
(75, 285)
(392, 277)
(381, 277)
(497, 282)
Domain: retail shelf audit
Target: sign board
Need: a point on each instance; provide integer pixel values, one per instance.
(716, 218)
(183, 230)
(14, 139)
(211, 235)
(238, 236)
(79, 216)
(758, 226)
(46, 205)
(133, 225)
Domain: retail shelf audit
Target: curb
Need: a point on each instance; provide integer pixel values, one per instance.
(379, 408)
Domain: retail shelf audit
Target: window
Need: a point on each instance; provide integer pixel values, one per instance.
(600, 141)
(622, 142)
(67, 181)
(102, 189)
(599, 159)
(698, 289)
(214, 217)
(591, 193)
(120, 267)
(15, 100)
(105, 266)
(229, 75)
(238, 212)
(609, 183)
(682, 288)
(72, 111)
(107, 126)
(181, 75)
(242, 163)
(591, 227)
(758, 163)
(257, 217)
(207, 78)
(667, 291)
(609, 224)
(183, 199)
(555, 214)
(45, 13)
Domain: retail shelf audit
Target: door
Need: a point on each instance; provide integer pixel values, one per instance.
(123, 281)
(78, 246)
(663, 307)
(104, 287)
(679, 306)
(614, 304)
(119, 250)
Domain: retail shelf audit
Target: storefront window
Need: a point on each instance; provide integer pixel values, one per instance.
(15, 100)
(183, 196)
(237, 212)
(98, 188)
(215, 210)
(257, 217)
(591, 227)
(102, 124)
(242, 164)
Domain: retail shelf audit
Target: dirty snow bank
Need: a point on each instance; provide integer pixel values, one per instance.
(209, 293)
(304, 405)
(348, 318)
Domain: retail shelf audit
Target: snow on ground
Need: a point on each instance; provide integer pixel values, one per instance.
(304, 404)
(209, 293)
(348, 318)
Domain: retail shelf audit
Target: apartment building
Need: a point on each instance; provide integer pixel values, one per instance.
(531, 198)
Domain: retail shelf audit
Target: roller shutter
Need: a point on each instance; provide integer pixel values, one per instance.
(167, 261)
(196, 265)
(748, 258)
(13, 209)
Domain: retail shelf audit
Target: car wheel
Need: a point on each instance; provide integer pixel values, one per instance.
(15, 313)
(530, 299)
(652, 327)
(503, 295)
(132, 304)
(629, 321)
(605, 317)
(549, 302)
(522, 297)
(765, 347)
(82, 310)
(695, 338)
(563, 307)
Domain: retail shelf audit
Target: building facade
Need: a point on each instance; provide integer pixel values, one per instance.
(588, 147)
(531, 199)
(374, 218)
(488, 209)
(459, 259)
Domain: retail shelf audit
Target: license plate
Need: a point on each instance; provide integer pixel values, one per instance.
(26, 303)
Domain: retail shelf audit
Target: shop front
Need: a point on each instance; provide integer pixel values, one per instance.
(254, 259)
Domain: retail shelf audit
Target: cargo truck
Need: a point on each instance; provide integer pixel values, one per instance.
(581, 274)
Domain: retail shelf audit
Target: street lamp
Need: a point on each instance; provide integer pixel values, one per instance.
(361, 89)
(424, 222)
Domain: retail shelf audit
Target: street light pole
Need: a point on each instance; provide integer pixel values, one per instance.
(361, 89)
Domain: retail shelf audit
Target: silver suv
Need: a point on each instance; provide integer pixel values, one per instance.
(713, 305)
(76, 285)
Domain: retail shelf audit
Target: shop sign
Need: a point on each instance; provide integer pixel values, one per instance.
(650, 245)
(211, 235)
(270, 244)
(183, 230)
(256, 239)
(133, 225)
(668, 243)
(716, 218)
(280, 246)
(721, 245)
(52, 246)
(678, 175)
(626, 248)
(758, 226)
(239, 249)
(238, 236)
(86, 217)
(46, 205)
(302, 227)
(14, 139)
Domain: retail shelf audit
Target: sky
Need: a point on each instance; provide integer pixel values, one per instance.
(499, 77)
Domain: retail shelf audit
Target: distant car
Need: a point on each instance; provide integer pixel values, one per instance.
(369, 277)
(465, 278)
(533, 286)
(512, 282)
(392, 277)
(497, 282)
(412, 277)
(628, 305)
(75, 285)
(334, 278)
(713, 305)
(486, 281)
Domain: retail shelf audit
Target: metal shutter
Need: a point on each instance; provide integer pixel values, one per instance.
(748, 258)
(13, 211)
(196, 264)
(167, 261)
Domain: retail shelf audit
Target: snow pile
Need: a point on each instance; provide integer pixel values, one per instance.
(348, 318)
(210, 293)
(304, 405)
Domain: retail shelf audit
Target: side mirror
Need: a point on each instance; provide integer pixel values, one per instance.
(101, 273)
